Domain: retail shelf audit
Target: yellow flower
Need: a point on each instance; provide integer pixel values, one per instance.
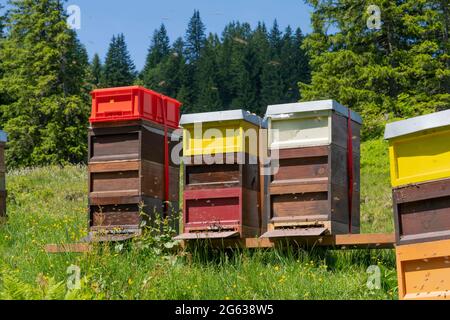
(277, 268)
(227, 298)
(130, 281)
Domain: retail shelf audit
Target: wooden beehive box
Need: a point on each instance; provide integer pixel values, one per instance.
(3, 139)
(422, 211)
(309, 190)
(423, 270)
(127, 175)
(419, 148)
(419, 151)
(222, 195)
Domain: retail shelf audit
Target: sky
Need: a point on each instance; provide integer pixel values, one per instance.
(137, 19)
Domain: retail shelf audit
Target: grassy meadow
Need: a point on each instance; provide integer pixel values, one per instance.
(48, 205)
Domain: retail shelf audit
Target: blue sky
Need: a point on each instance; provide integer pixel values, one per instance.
(137, 19)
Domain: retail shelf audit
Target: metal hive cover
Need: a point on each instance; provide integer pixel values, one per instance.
(417, 124)
(219, 116)
(320, 105)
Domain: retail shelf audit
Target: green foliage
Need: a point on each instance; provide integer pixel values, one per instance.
(119, 69)
(195, 38)
(399, 71)
(44, 79)
(96, 71)
(48, 205)
(243, 68)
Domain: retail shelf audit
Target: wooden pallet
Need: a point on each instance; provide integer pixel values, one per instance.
(344, 241)
(349, 241)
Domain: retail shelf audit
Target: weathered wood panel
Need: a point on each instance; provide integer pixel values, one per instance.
(314, 181)
(422, 212)
(128, 213)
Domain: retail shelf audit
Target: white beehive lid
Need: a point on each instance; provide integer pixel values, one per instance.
(220, 116)
(417, 124)
(285, 110)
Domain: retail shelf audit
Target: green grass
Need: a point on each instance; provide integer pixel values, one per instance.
(48, 205)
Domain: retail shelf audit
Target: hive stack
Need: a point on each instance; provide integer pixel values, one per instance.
(3, 139)
(222, 194)
(419, 151)
(130, 168)
(318, 171)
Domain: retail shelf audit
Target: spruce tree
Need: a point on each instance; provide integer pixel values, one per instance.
(158, 52)
(195, 38)
(294, 64)
(44, 76)
(119, 69)
(275, 40)
(159, 48)
(207, 77)
(96, 71)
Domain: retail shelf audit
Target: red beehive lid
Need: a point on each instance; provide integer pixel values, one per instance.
(133, 103)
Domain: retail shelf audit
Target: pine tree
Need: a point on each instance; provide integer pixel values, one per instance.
(294, 64)
(261, 50)
(119, 69)
(159, 48)
(2, 22)
(96, 71)
(275, 40)
(400, 70)
(158, 52)
(195, 38)
(207, 77)
(235, 69)
(44, 76)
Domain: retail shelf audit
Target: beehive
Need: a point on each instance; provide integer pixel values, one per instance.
(313, 145)
(222, 195)
(423, 270)
(128, 180)
(3, 139)
(419, 150)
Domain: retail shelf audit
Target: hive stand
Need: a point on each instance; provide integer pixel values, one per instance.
(342, 242)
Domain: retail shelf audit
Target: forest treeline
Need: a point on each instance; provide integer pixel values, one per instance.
(398, 70)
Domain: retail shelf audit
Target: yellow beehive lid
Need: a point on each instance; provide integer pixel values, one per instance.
(419, 149)
(221, 132)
